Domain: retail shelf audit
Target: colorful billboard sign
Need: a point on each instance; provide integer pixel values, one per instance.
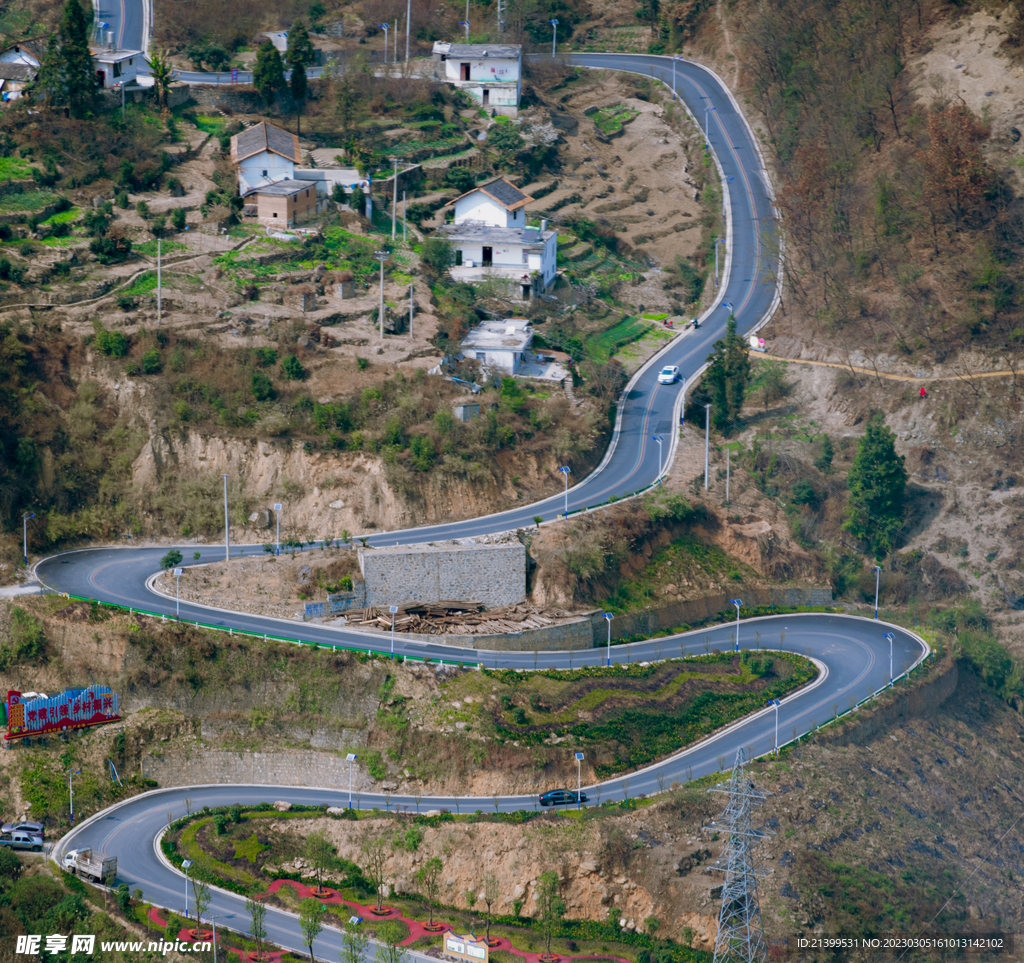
(38, 715)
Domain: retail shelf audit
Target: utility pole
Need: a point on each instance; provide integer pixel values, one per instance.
(24, 531)
(412, 307)
(159, 312)
(878, 571)
(728, 452)
(381, 256)
(405, 222)
(740, 933)
(408, 20)
(707, 442)
(394, 198)
(396, 40)
(227, 530)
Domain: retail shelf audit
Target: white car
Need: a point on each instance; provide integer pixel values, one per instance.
(668, 375)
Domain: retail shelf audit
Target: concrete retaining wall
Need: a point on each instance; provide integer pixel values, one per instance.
(697, 610)
(578, 634)
(866, 725)
(492, 574)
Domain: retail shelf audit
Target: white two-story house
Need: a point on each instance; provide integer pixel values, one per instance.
(491, 74)
(264, 154)
(491, 240)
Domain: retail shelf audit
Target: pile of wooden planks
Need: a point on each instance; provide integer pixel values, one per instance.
(440, 618)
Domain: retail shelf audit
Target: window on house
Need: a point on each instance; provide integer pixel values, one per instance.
(526, 256)
(274, 214)
(480, 356)
(117, 70)
(264, 173)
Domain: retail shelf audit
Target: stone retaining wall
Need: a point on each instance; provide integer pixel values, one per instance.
(492, 574)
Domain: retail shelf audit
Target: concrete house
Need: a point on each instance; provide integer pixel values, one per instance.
(491, 240)
(19, 65)
(286, 202)
(114, 67)
(491, 74)
(264, 154)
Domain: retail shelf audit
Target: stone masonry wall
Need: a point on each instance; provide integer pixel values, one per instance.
(492, 574)
(578, 634)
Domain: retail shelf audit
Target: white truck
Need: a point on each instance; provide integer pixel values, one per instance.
(88, 862)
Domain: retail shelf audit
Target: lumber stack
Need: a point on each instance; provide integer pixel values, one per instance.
(464, 618)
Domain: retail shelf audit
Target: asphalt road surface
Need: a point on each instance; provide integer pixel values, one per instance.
(852, 653)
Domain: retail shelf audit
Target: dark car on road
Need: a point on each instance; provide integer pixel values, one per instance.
(560, 797)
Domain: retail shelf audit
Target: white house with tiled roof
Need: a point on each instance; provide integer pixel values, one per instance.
(491, 240)
(264, 154)
(490, 73)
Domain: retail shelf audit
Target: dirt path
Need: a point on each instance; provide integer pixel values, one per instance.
(883, 374)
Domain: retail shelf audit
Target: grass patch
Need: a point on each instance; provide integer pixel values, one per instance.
(249, 848)
(144, 284)
(64, 217)
(609, 120)
(16, 168)
(148, 248)
(601, 346)
(211, 125)
(27, 201)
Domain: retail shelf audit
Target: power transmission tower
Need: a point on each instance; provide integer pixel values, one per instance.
(740, 934)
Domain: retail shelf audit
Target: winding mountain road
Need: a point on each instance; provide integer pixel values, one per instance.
(852, 654)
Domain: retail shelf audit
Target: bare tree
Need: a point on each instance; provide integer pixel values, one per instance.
(376, 850)
(489, 894)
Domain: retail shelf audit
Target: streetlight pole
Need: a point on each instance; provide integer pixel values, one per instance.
(566, 472)
(707, 130)
(394, 199)
(351, 757)
(71, 790)
(579, 762)
(412, 305)
(728, 468)
(890, 637)
(554, 37)
(674, 59)
(737, 603)
(393, 609)
(385, 28)
(24, 533)
(277, 515)
(408, 20)
(177, 593)
(227, 530)
(657, 438)
(465, 23)
(877, 570)
(381, 256)
(185, 865)
(707, 442)
(774, 703)
(609, 616)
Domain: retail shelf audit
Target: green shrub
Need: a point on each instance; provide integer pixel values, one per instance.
(292, 368)
(112, 343)
(26, 640)
(178, 218)
(262, 387)
(151, 362)
(423, 453)
(265, 357)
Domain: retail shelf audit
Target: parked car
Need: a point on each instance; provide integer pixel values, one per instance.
(35, 829)
(20, 840)
(668, 375)
(561, 797)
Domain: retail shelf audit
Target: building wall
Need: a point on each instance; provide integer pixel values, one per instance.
(250, 170)
(129, 71)
(488, 69)
(505, 255)
(479, 207)
(507, 361)
(491, 574)
(269, 206)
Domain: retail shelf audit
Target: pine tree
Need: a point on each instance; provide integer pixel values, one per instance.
(268, 74)
(298, 88)
(66, 74)
(78, 70)
(728, 377)
(300, 47)
(877, 482)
